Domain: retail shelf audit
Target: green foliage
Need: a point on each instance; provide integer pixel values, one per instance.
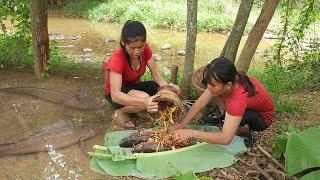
(212, 15)
(187, 176)
(295, 64)
(60, 64)
(82, 9)
(281, 82)
(15, 44)
(297, 38)
(15, 50)
(300, 151)
(281, 142)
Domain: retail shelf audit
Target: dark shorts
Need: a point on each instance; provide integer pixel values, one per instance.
(254, 120)
(150, 87)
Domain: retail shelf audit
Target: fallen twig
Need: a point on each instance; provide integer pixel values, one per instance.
(276, 171)
(235, 170)
(257, 167)
(224, 173)
(244, 162)
(270, 157)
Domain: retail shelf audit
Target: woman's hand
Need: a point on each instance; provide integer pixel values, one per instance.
(183, 135)
(151, 106)
(177, 126)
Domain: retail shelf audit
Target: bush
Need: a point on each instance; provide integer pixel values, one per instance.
(15, 50)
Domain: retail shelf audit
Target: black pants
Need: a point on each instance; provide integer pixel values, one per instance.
(253, 119)
(150, 87)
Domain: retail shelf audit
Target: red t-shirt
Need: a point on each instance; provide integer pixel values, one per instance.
(118, 64)
(238, 101)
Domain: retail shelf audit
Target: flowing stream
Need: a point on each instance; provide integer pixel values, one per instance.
(84, 40)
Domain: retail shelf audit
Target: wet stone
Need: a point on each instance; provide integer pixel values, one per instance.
(67, 46)
(56, 37)
(181, 53)
(157, 57)
(87, 50)
(166, 47)
(75, 37)
(111, 40)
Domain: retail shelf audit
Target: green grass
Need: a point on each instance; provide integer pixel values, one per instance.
(288, 85)
(61, 65)
(213, 16)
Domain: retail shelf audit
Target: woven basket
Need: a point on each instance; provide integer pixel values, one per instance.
(196, 81)
(169, 98)
(199, 87)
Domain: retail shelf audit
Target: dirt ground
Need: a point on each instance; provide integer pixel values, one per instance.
(72, 163)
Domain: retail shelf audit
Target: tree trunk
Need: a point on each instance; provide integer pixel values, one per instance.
(190, 46)
(231, 47)
(174, 74)
(256, 34)
(40, 39)
(3, 28)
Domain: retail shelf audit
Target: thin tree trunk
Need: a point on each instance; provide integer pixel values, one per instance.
(174, 74)
(190, 45)
(40, 39)
(3, 27)
(256, 34)
(230, 49)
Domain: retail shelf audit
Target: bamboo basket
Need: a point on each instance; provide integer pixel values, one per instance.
(196, 81)
(199, 87)
(169, 97)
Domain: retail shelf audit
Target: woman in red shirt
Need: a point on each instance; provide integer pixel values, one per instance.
(244, 101)
(127, 64)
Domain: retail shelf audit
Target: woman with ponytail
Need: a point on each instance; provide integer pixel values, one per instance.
(127, 64)
(243, 101)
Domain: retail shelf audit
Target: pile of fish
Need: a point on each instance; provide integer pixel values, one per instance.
(151, 141)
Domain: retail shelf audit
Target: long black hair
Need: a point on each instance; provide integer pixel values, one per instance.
(131, 32)
(224, 71)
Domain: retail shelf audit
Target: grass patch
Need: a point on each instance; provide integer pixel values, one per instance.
(213, 16)
(286, 86)
(16, 51)
(60, 64)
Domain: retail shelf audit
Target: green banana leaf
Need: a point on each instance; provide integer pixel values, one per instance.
(303, 151)
(197, 158)
(315, 175)
(280, 146)
(187, 176)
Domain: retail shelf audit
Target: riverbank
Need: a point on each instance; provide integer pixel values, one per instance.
(213, 16)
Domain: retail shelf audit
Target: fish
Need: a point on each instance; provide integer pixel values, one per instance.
(147, 142)
(151, 147)
(62, 134)
(133, 139)
(80, 100)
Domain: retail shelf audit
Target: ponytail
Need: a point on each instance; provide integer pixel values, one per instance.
(248, 86)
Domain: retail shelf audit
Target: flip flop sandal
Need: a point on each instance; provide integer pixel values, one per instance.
(145, 116)
(121, 120)
(213, 120)
(248, 139)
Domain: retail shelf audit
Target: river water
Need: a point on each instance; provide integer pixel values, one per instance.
(80, 34)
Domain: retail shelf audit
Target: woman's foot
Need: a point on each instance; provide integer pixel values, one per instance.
(122, 120)
(214, 120)
(247, 138)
